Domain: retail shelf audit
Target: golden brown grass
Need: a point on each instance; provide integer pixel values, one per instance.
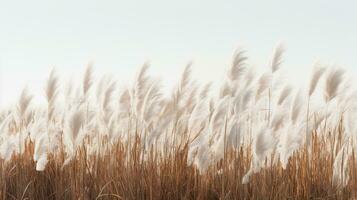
(254, 139)
(117, 176)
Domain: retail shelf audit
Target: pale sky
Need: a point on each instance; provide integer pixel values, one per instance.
(119, 36)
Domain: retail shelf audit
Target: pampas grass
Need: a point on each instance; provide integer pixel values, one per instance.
(277, 58)
(51, 94)
(87, 80)
(252, 139)
(333, 82)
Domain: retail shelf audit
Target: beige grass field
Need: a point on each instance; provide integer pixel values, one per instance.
(256, 137)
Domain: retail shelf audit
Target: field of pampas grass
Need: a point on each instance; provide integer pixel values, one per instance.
(258, 137)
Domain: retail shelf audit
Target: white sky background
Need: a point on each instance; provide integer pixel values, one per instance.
(119, 36)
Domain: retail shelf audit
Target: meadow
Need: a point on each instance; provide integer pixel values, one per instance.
(256, 137)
